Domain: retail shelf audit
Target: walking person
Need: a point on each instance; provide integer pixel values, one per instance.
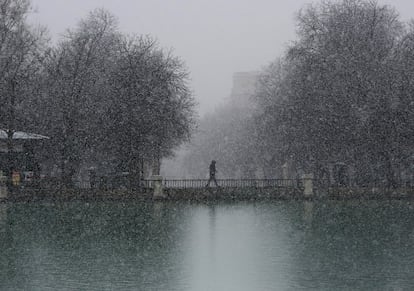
(212, 174)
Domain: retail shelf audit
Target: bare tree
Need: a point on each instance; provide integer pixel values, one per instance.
(336, 97)
(21, 54)
(75, 82)
(152, 108)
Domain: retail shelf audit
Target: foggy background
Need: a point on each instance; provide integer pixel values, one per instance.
(214, 38)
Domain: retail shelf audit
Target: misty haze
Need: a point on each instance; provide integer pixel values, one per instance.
(206, 145)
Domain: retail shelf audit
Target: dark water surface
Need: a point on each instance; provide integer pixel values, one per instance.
(180, 246)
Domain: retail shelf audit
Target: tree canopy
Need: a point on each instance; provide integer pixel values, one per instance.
(107, 100)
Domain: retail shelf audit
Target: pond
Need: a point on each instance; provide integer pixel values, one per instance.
(329, 245)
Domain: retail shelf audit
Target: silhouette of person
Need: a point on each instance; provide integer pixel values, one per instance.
(212, 173)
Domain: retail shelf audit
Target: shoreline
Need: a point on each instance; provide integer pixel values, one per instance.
(208, 194)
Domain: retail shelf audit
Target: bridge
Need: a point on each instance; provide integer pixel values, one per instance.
(227, 183)
(197, 189)
(188, 189)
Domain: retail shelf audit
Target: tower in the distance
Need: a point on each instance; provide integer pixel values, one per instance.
(244, 86)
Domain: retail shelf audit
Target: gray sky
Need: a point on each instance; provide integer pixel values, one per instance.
(214, 37)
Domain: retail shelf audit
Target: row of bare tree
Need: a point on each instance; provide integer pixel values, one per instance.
(104, 98)
(342, 93)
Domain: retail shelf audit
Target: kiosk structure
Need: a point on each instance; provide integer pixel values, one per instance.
(24, 165)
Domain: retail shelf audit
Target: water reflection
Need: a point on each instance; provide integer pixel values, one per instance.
(176, 246)
(357, 246)
(242, 242)
(91, 246)
(308, 212)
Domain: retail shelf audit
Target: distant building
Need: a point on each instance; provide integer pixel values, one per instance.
(241, 102)
(244, 87)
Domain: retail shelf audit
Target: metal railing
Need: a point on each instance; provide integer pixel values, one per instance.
(232, 183)
(198, 183)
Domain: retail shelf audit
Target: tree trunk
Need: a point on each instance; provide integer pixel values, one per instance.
(389, 172)
(157, 166)
(10, 160)
(10, 132)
